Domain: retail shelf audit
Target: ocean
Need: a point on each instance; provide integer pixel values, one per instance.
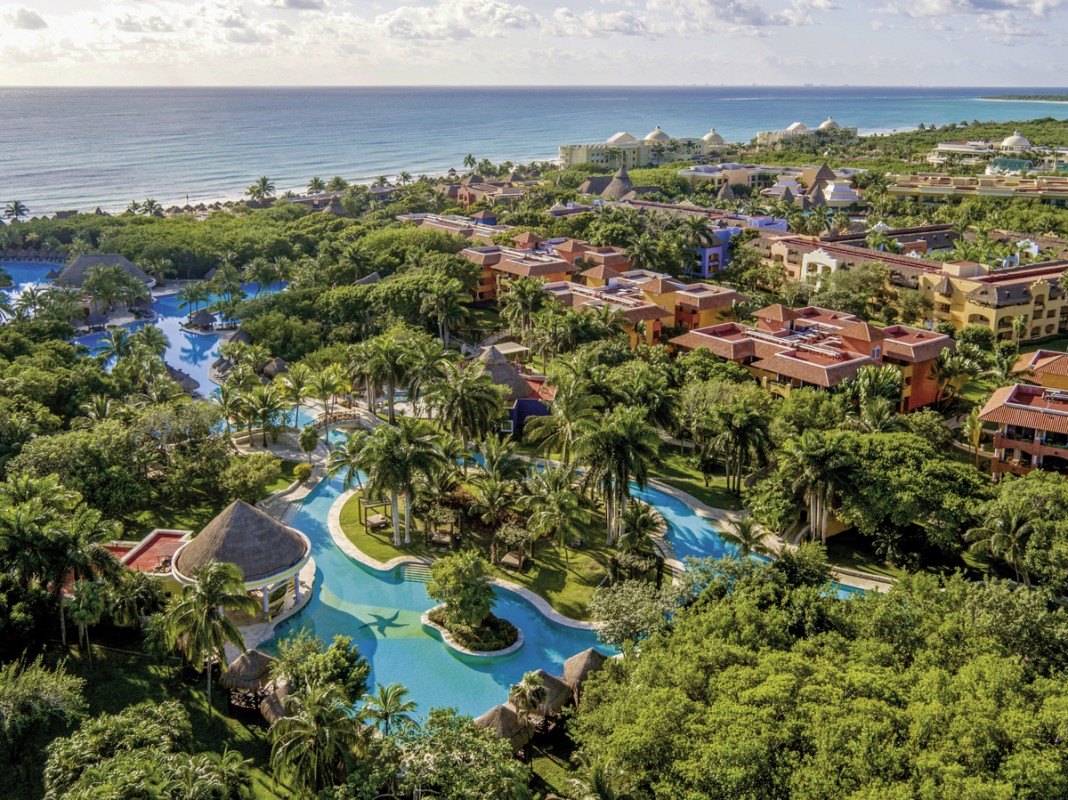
(82, 148)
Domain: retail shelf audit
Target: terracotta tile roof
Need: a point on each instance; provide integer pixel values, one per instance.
(601, 272)
(660, 286)
(526, 238)
(777, 313)
(1043, 362)
(702, 296)
(818, 372)
(862, 332)
(533, 268)
(1026, 407)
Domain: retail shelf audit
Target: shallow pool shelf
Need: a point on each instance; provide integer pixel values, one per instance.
(449, 641)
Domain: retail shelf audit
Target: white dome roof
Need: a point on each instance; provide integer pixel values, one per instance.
(829, 125)
(798, 126)
(656, 135)
(621, 138)
(712, 137)
(1016, 140)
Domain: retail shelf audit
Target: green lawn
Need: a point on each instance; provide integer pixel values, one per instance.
(1053, 343)
(286, 478)
(851, 550)
(122, 677)
(567, 584)
(680, 471)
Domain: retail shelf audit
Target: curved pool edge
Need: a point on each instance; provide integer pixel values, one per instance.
(447, 638)
(540, 604)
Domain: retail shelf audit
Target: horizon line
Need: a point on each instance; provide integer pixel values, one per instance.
(529, 86)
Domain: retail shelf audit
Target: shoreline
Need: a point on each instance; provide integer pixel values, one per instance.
(1013, 100)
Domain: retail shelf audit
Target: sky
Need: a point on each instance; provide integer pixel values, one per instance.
(536, 42)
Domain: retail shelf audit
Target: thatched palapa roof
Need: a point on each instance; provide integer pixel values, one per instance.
(77, 271)
(579, 666)
(273, 706)
(250, 672)
(276, 366)
(506, 724)
(557, 693)
(202, 319)
(504, 373)
(261, 546)
(187, 382)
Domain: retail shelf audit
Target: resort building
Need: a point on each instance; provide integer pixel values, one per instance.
(1012, 155)
(934, 187)
(531, 256)
(790, 348)
(624, 150)
(615, 187)
(1047, 368)
(1032, 429)
(799, 133)
(961, 292)
(479, 227)
(649, 302)
(806, 187)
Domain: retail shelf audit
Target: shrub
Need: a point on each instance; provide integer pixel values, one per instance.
(302, 472)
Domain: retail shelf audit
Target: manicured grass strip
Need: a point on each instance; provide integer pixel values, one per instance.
(680, 470)
(286, 478)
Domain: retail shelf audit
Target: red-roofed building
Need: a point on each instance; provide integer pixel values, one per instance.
(813, 346)
(1032, 429)
(1048, 368)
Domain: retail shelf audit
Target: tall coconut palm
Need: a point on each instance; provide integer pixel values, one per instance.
(393, 457)
(316, 185)
(261, 189)
(151, 339)
(596, 782)
(325, 385)
(466, 401)
(337, 184)
(617, 451)
(86, 607)
(522, 298)
(266, 403)
(316, 741)
(817, 465)
(295, 385)
(875, 415)
(640, 524)
(493, 498)
(16, 210)
(197, 621)
(116, 343)
(972, 429)
(573, 412)
(388, 363)
(951, 372)
(388, 710)
(554, 506)
(447, 305)
(424, 364)
(347, 460)
(78, 547)
(743, 440)
(1004, 533)
(500, 460)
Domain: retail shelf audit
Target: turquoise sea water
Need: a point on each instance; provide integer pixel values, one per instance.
(83, 148)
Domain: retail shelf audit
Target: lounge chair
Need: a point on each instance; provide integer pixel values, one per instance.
(375, 521)
(441, 539)
(513, 560)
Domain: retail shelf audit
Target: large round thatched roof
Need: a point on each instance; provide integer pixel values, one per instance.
(250, 672)
(261, 546)
(506, 724)
(580, 665)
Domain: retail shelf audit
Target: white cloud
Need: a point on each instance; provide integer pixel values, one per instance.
(26, 19)
(938, 8)
(300, 5)
(456, 19)
(592, 24)
(130, 24)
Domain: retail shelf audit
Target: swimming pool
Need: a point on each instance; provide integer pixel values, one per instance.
(381, 611)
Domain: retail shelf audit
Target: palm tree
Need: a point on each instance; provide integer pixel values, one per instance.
(817, 464)
(743, 439)
(387, 365)
(197, 621)
(388, 710)
(499, 459)
(640, 524)
(528, 695)
(116, 343)
(261, 189)
(596, 783)
(266, 403)
(16, 210)
(193, 296)
(404, 178)
(86, 607)
(493, 497)
(316, 185)
(951, 372)
(470, 161)
(616, 452)
(644, 252)
(972, 430)
(337, 184)
(1019, 325)
(572, 413)
(446, 305)
(393, 457)
(745, 534)
(295, 384)
(876, 415)
(523, 297)
(315, 742)
(554, 506)
(467, 401)
(347, 459)
(425, 364)
(1005, 533)
(80, 551)
(325, 385)
(150, 208)
(151, 339)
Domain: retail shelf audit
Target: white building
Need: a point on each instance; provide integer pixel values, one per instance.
(624, 150)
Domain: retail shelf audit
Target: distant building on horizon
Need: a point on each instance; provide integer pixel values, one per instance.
(624, 150)
(800, 131)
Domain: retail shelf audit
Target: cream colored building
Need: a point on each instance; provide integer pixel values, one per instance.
(800, 131)
(624, 150)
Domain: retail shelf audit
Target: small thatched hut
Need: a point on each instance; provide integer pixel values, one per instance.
(249, 672)
(273, 706)
(267, 552)
(202, 319)
(579, 666)
(274, 367)
(557, 693)
(504, 373)
(506, 724)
